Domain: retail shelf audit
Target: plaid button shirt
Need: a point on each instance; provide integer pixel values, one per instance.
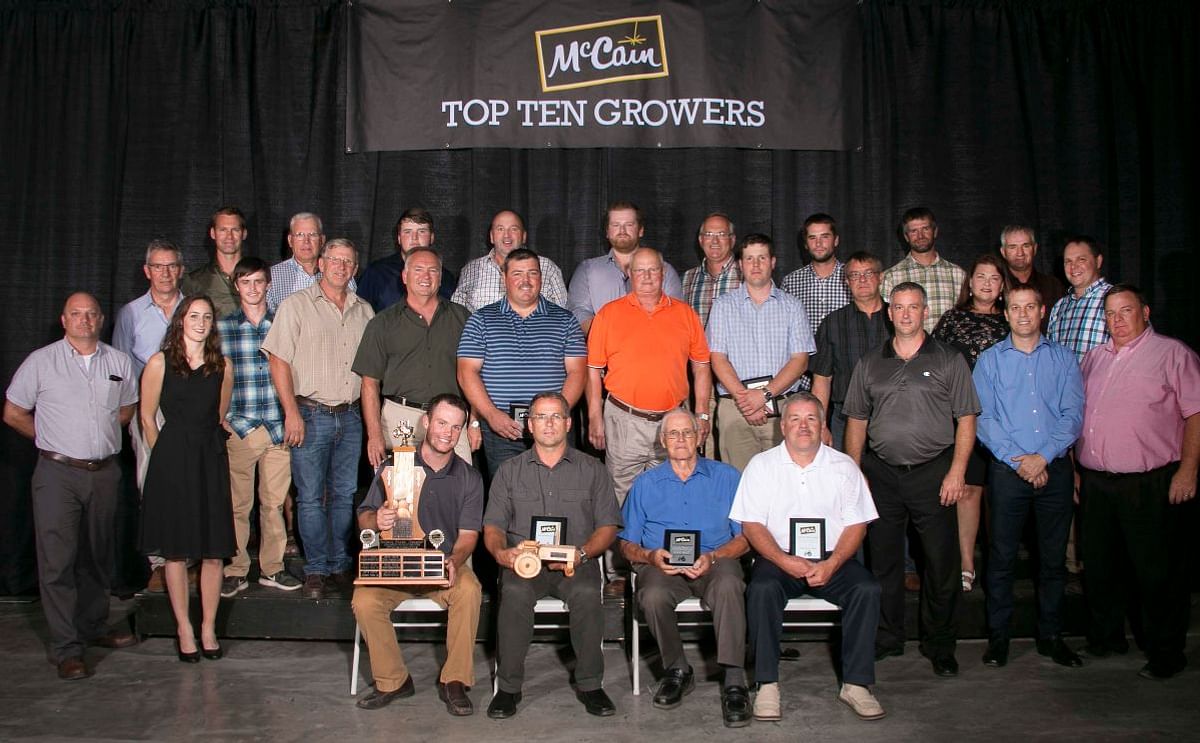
(254, 402)
(942, 281)
(288, 277)
(700, 288)
(1078, 322)
(482, 283)
(820, 296)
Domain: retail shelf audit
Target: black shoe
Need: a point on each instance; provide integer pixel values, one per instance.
(596, 702)
(735, 706)
(376, 698)
(314, 587)
(945, 666)
(192, 657)
(676, 684)
(881, 653)
(504, 705)
(996, 655)
(454, 695)
(1160, 671)
(1056, 650)
(215, 654)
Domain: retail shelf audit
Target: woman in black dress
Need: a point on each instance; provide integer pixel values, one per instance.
(973, 325)
(187, 513)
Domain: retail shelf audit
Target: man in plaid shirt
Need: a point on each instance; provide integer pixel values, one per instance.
(1077, 320)
(719, 272)
(821, 285)
(255, 422)
(940, 278)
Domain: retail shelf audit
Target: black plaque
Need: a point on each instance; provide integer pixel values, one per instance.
(548, 530)
(683, 546)
(759, 383)
(807, 538)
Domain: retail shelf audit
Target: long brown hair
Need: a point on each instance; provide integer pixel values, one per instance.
(173, 347)
(964, 292)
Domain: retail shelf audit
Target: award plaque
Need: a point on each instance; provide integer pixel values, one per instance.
(519, 413)
(759, 383)
(683, 545)
(548, 530)
(808, 538)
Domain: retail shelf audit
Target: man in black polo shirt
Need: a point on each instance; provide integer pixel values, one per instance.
(903, 401)
(452, 502)
(408, 356)
(555, 480)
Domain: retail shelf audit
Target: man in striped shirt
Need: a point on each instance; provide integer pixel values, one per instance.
(1077, 320)
(511, 350)
(940, 278)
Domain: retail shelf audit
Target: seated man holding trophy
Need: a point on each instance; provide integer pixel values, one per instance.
(680, 540)
(550, 513)
(805, 507)
(425, 498)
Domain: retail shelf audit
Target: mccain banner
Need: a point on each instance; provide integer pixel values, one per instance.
(774, 74)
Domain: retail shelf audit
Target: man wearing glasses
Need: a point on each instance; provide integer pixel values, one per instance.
(306, 238)
(718, 273)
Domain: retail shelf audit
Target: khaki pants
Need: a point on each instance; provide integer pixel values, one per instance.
(373, 609)
(739, 440)
(394, 413)
(273, 462)
(631, 447)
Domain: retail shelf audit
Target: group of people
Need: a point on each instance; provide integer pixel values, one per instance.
(807, 424)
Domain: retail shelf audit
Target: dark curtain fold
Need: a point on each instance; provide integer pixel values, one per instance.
(124, 121)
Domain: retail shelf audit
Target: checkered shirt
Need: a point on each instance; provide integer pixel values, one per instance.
(1078, 323)
(254, 402)
(482, 283)
(942, 281)
(700, 288)
(287, 278)
(758, 339)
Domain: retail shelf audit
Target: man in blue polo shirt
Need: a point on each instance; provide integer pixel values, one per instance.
(689, 492)
(513, 349)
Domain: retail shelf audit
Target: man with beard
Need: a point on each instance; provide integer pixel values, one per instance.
(821, 285)
(940, 278)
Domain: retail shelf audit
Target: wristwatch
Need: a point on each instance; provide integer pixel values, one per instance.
(475, 424)
(583, 555)
(704, 416)
(768, 395)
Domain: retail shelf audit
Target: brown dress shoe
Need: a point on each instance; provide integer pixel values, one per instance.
(157, 582)
(454, 694)
(73, 669)
(615, 588)
(314, 587)
(115, 640)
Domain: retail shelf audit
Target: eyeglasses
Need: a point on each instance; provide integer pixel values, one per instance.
(717, 235)
(346, 262)
(861, 275)
(543, 417)
(161, 267)
(646, 271)
(679, 435)
(307, 236)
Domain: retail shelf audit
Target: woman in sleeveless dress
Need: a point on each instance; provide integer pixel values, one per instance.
(187, 513)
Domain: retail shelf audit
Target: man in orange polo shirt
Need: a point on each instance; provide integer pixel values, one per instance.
(645, 340)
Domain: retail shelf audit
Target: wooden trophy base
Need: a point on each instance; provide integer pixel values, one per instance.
(402, 567)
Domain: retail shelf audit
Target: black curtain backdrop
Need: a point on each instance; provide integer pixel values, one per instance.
(123, 121)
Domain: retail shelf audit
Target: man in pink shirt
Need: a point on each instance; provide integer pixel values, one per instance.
(1137, 456)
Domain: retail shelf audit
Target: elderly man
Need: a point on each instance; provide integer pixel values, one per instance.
(71, 398)
(227, 230)
(550, 480)
(1138, 455)
(689, 492)
(306, 239)
(311, 346)
(760, 340)
(514, 348)
(719, 272)
(1077, 320)
(598, 281)
(803, 484)
(382, 283)
(940, 278)
(482, 281)
(451, 502)
(407, 358)
(1019, 247)
(1031, 399)
(912, 400)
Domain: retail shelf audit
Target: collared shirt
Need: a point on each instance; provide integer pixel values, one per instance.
(659, 500)
(598, 281)
(701, 289)
(647, 353)
(522, 356)
(1047, 285)
(820, 296)
(1138, 398)
(140, 328)
(1030, 403)
(844, 336)
(382, 286)
(254, 402)
(409, 357)
(319, 341)
(289, 277)
(214, 282)
(911, 405)
(941, 280)
(758, 339)
(578, 487)
(76, 403)
(482, 282)
(451, 498)
(1078, 322)
(774, 490)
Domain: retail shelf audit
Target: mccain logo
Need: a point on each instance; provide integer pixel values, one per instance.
(601, 53)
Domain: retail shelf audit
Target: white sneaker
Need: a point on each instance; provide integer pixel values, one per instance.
(766, 703)
(861, 700)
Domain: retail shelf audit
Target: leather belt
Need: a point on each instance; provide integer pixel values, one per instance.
(654, 416)
(330, 409)
(401, 400)
(91, 465)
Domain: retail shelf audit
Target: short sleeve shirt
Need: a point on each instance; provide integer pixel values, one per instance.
(844, 336)
(758, 339)
(598, 281)
(409, 357)
(659, 500)
(482, 283)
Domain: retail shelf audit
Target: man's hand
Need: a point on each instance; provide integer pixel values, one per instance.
(503, 425)
(953, 488)
(658, 558)
(376, 452)
(451, 572)
(797, 567)
(1030, 466)
(505, 557)
(821, 572)
(474, 437)
(385, 518)
(702, 565)
(293, 430)
(596, 430)
(1040, 481)
(826, 436)
(1183, 488)
(705, 428)
(757, 418)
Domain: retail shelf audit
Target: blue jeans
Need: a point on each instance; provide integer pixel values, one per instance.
(497, 449)
(325, 471)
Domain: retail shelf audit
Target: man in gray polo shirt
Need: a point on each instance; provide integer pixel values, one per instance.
(72, 397)
(904, 399)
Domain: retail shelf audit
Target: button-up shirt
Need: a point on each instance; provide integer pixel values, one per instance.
(659, 501)
(758, 339)
(410, 357)
(1138, 398)
(218, 285)
(701, 289)
(1078, 322)
(254, 402)
(482, 282)
(140, 328)
(820, 296)
(76, 402)
(289, 277)
(844, 336)
(941, 280)
(1031, 403)
(382, 286)
(598, 281)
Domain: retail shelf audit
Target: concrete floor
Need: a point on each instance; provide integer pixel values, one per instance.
(299, 691)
